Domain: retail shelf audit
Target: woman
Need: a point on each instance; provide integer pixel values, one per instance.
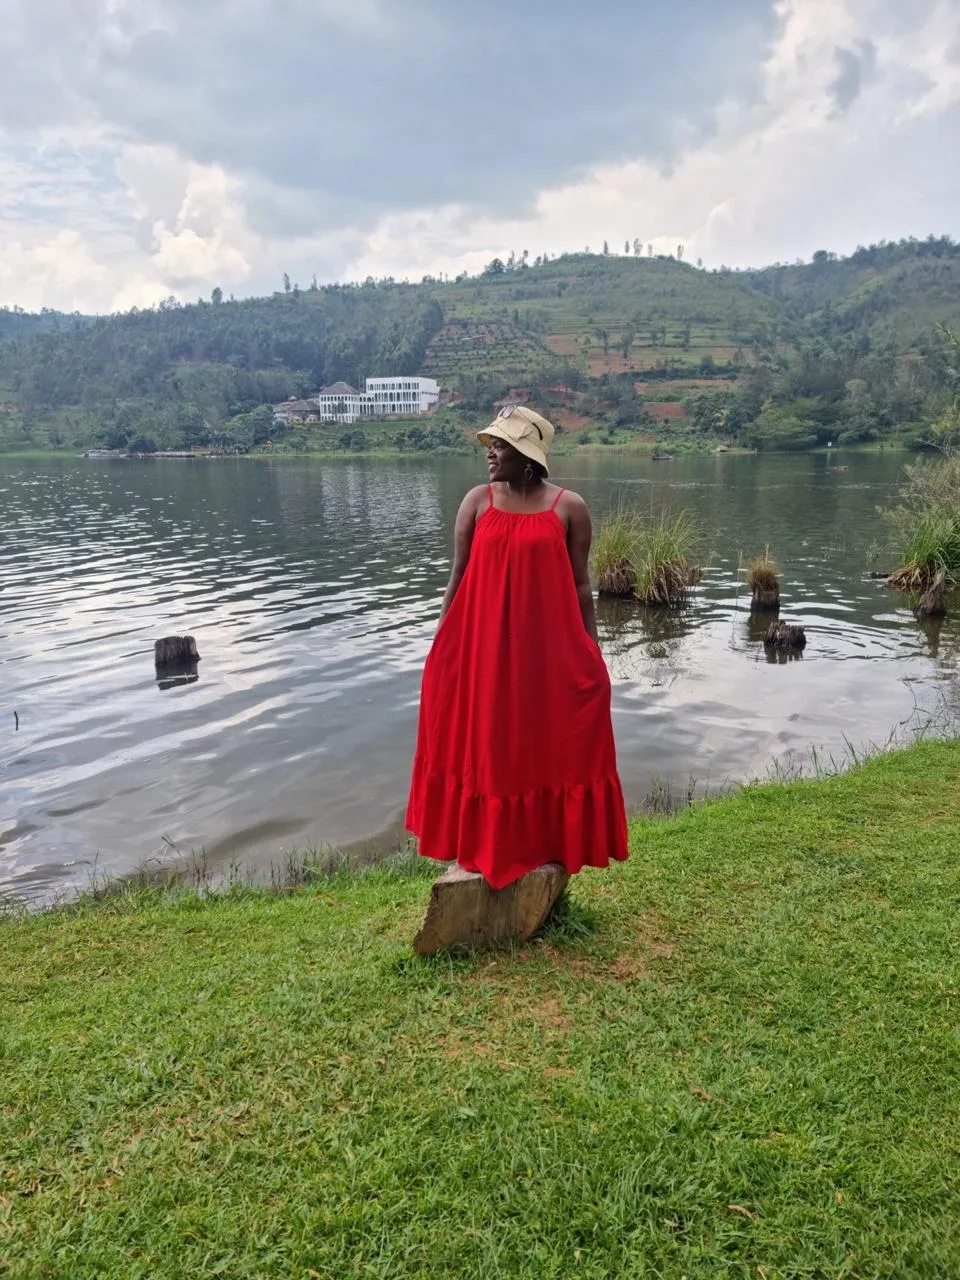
(515, 764)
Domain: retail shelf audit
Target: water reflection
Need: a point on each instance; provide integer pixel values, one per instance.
(313, 591)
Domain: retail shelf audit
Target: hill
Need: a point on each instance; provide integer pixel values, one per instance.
(615, 315)
(839, 348)
(892, 294)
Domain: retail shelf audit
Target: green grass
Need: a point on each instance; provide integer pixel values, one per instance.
(649, 557)
(613, 559)
(928, 521)
(666, 558)
(734, 1056)
(931, 544)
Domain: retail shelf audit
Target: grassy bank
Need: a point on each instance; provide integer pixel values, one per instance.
(736, 1055)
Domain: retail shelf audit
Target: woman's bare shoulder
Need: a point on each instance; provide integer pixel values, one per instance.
(475, 501)
(571, 501)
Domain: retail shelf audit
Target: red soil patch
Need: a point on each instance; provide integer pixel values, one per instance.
(571, 421)
(663, 410)
(561, 344)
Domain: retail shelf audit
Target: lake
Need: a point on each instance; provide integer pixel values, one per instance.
(313, 587)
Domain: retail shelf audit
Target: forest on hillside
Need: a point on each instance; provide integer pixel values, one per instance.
(789, 356)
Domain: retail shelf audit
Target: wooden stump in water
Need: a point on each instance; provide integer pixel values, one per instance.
(782, 635)
(175, 659)
(765, 601)
(932, 601)
(175, 651)
(464, 913)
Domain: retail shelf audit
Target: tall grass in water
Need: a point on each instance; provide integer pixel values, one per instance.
(615, 551)
(666, 558)
(928, 524)
(762, 574)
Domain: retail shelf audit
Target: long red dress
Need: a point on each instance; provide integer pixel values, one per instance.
(515, 764)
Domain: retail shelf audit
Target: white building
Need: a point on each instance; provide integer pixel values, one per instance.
(382, 398)
(402, 395)
(342, 403)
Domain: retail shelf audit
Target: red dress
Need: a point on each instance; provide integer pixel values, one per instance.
(515, 764)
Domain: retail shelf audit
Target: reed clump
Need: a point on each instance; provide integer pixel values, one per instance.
(652, 558)
(666, 558)
(614, 553)
(928, 523)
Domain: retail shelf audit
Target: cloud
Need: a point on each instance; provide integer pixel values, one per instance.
(376, 104)
(854, 66)
(188, 144)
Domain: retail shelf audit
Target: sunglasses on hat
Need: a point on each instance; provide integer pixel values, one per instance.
(509, 410)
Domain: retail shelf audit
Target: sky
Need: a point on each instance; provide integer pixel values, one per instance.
(151, 148)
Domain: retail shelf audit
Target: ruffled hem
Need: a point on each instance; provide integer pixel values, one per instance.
(505, 837)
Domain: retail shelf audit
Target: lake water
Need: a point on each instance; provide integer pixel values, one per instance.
(313, 588)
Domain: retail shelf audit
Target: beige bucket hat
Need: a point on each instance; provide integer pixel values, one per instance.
(529, 432)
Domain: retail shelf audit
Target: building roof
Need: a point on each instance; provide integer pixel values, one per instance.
(339, 389)
(297, 406)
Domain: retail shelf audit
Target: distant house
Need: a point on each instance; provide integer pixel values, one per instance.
(294, 410)
(381, 398)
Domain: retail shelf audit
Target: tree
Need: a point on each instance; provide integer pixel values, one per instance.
(650, 250)
(637, 248)
(679, 252)
(626, 246)
(626, 340)
(494, 268)
(216, 297)
(286, 283)
(606, 248)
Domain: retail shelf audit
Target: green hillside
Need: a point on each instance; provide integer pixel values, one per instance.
(786, 356)
(614, 314)
(892, 294)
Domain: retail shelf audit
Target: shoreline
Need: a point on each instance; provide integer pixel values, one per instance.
(593, 450)
(191, 873)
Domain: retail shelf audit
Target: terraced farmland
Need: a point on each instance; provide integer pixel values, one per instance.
(465, 346)
(603, 314)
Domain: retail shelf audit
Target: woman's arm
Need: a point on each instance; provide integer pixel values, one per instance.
(579, 537)
(462, 542)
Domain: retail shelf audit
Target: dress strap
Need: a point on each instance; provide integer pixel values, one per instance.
(557, 499)
(490, 496)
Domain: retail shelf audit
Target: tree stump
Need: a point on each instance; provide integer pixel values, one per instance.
(175, 651)
(931, 603)
(765, 601)
(464, 913)
(175, 659)
(782, 635)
